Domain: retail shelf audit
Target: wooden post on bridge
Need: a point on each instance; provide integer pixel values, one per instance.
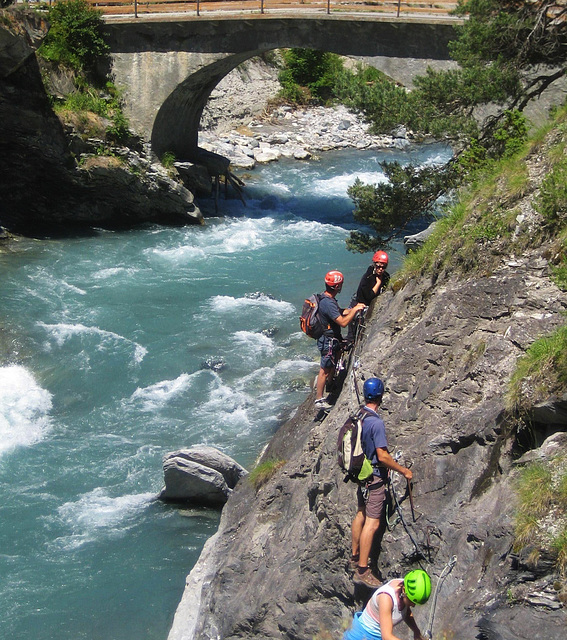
(399, 7)
(198, 8)
(261, 6)
(135, 8)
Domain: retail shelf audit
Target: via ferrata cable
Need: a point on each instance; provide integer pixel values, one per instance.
(446, 570)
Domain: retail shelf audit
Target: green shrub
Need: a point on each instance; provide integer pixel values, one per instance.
(119, 130)
(552, 201)
(542, 493)
(510, 135)
(168, 159)
(76, 38)
(541, 372)
(309, 75)
(559, 272)
(367, 90)
(84, 101)
(559, 546)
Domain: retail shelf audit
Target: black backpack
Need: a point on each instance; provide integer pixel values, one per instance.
(309, 320)
(352, 460)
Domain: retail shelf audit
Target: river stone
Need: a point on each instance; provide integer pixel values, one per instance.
(301, 154)
(242, 161)
(201, 475)
(266, 155)
(187, 481)
(217, 460)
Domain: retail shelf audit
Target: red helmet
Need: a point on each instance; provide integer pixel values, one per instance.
(334, 279)
(380, 256)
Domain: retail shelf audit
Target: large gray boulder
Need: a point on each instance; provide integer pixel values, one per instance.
(413, 242)
(200, 475)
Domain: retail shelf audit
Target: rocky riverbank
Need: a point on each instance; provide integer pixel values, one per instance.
(300, 134)
(51, 178)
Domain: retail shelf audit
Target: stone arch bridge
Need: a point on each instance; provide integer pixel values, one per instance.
(169, 66)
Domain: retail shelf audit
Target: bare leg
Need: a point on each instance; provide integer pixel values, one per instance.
(357, 525)
(321, 381)
(371, 525)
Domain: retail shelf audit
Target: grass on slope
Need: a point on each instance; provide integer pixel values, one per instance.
(502, 213)
(541, 519)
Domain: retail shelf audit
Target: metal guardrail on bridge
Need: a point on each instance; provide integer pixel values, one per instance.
(398, 8)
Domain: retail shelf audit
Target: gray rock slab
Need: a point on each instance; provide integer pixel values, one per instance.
(214, 459)
(187, 481)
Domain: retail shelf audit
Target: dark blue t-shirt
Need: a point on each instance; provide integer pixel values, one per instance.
(374, 437)
(329, 311)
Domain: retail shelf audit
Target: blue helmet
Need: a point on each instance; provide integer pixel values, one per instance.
(373, 389)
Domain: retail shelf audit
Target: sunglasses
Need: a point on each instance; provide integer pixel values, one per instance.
(380, 265)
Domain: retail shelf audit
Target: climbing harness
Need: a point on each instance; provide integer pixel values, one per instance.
(446, 571)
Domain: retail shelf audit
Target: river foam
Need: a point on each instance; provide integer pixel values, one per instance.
(24, 408)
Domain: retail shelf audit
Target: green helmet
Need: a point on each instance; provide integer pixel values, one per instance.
(417, 585)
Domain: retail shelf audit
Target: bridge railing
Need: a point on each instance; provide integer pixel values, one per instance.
(399, 8)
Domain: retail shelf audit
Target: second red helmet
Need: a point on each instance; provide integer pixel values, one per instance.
(334, 279)
(380, 256)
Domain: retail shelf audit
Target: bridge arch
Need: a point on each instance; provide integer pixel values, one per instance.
(230, 41)
(176, 126)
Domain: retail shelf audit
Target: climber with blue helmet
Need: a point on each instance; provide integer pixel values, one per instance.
(388, 606)
(371, 497)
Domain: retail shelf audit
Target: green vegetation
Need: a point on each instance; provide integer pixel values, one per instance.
(168, 159)
(541, 519)
(75, 41)
(392, 204)
(482, 219)
(383, 103)
(508, 52)
(552, 201)
(541, 373)
(263, 472)
(88, 100)
(75, 38)
(308, 76)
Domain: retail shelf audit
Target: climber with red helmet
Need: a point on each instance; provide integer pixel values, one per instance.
(374, 280)
(333, 318)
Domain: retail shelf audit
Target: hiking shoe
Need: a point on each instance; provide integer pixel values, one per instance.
(368, 579)
(323, 404)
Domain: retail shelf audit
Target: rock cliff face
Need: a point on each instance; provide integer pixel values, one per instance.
(41, 184)
(279, 565)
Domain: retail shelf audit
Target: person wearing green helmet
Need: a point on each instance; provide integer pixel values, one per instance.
(388, 606)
